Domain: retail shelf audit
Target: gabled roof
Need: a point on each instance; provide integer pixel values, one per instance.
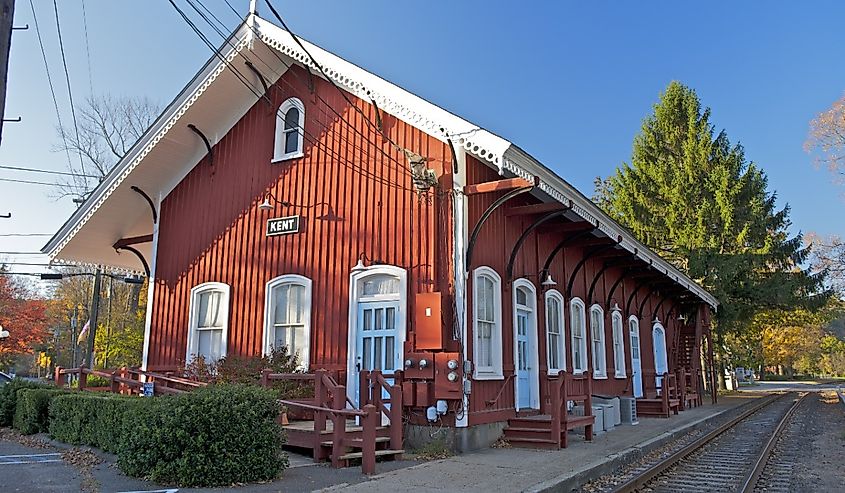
(214, 101)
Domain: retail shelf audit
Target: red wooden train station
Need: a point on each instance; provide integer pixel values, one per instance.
(407, 256)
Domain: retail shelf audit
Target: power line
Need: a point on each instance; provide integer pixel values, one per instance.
(31, 182)
(315, 141)
(401, 166)
(50, 82)
(50, 172)
(87, 48)
(320, 67)
(69, 91)
(30, 264)
(25, 234)
(22, 253)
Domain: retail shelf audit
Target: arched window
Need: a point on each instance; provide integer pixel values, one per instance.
(290, 130)
(208, 322)
(287, 316)
(597, 333)
(618, 344)
(578, 329)
(487, 323)
(555, 341)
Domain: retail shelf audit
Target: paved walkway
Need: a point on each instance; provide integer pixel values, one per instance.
(517, 469)
(486, 470)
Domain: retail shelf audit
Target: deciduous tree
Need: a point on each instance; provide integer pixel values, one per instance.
(24, 317)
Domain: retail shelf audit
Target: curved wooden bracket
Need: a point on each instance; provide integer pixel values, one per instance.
(540, 220)
(657, 308)
(630, 271)
(601, 271)
(639, 286)
(262, 80)
(137, 254)
(580, 264)
(560, 246)
(149, 201)
(454, 155)
(473, 237)
(205, 140)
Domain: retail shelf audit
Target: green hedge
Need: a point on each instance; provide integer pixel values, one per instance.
(32, 410)
(9, 397)
(91, 419)
(215, 436)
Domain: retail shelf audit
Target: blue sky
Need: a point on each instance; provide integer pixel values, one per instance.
(570, 82)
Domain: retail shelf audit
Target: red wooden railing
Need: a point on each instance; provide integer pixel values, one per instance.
(126, 380)
(372, 386)
(565, 387)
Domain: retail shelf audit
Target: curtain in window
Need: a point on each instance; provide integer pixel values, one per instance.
(210, 326)
(578, 346)
(292, 131)
(289, 317)
(618, 346)
(554, 333)
(485, 321)
(597, 327)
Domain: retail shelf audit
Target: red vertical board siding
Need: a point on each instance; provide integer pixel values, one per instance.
(493, 249)
(211, 229)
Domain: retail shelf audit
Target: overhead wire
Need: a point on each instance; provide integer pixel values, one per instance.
(69, 91)
(287, 66)
(87, 47)
(50, 83)
(24, 234)
(31, 182)
(314, 140)
(46, 171)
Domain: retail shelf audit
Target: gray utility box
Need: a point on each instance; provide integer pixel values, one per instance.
(613, 402)
(608, 415)
(598, 412)
(628, 410)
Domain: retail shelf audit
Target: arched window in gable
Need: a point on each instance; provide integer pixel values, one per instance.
(290, 130)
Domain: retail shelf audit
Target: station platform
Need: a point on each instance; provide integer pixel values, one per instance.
(519, 469)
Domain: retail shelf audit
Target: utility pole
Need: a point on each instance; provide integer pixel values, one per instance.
(74, 323)
(7, 15)
(95, 309)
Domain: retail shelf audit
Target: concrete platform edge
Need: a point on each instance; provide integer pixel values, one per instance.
(569, 482)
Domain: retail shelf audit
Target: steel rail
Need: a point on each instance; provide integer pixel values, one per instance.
(763, 459)
(638, 482)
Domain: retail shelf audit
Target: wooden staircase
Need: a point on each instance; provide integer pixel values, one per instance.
(343, 434)
(662, 402)
(549, 431)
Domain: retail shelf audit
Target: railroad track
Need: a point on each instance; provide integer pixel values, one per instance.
(732, 457)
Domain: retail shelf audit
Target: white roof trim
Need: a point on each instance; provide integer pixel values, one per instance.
(390, 98)
(189, 95)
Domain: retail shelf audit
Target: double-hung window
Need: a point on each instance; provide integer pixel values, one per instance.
(287, 320)
(556, 347)
(579, 340)
(290, 130)
(597, 333)
(618, 345)
(208, 322)
(487, 323)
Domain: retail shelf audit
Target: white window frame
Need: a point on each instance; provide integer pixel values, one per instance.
(269, 335)
(599, 363)
(493, 372)
(279, 136)
(617, 326)
(555, 295)
(576, 305)
(196, 291)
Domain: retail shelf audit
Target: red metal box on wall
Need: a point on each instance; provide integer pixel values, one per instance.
(428, 324)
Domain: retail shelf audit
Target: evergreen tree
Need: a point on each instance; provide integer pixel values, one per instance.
(691, 196)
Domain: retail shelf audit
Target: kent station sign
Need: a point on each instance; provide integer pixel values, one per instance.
(282, 225)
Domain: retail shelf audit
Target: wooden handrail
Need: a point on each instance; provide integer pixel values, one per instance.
(310, 407)
(494, 400)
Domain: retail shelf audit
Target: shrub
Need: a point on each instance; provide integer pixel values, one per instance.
(91, 419)
(32, 410)
(214, 436)
(9, 397)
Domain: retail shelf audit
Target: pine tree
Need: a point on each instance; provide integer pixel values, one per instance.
(691, 196)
